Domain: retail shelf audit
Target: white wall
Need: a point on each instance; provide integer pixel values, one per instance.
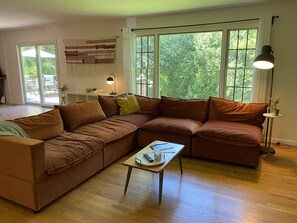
(283, 41)
(1, 50)
(58, 33)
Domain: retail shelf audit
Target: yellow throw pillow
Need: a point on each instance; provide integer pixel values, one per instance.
(128, 105)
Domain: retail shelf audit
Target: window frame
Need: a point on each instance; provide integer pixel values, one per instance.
(236, 69)
(225, 28)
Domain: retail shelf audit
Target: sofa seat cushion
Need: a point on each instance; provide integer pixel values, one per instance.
(136, 119)
(231, 133)
(68, 150)
(107, 130)
(174, 125)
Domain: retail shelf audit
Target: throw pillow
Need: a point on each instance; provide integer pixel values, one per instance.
(77, 114)
(109, 104)
(226, 110)
(43, 126)
(128, 105)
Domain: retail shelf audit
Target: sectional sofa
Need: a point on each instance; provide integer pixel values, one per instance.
(71, 143)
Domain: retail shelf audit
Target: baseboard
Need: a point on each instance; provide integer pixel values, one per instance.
(285, 141)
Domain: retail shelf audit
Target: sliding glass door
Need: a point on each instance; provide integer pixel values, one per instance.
(39, 71)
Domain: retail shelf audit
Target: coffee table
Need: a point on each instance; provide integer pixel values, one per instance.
(173, 150)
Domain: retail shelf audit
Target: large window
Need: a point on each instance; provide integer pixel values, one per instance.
(189, 64)
(144, 65)
(196, 64)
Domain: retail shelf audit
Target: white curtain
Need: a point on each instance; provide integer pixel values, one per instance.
(128, 44)
(262, 78)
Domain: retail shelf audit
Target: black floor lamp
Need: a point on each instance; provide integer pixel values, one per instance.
(265, 61)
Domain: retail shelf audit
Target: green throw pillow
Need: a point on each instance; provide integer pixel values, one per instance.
(128, 105)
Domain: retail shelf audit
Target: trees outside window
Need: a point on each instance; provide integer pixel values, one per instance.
(190, 64)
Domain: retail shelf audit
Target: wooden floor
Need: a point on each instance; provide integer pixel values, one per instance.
(8, 112)
(208, 191)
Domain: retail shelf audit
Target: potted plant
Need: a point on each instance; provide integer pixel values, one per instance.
(274, 101)
(64, 90)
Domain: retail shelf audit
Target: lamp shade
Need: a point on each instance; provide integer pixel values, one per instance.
(265, 60)
(109, 80)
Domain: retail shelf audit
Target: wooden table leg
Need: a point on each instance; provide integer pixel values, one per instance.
(160, 185)
(180, 164)
(128, 178)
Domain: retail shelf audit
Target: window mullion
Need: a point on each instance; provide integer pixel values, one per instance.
(223, 66)
(245, 67)
(147, 63)
(156, 88)
(141, 67)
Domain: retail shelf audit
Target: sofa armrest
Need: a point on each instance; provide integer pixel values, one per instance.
(23, 158)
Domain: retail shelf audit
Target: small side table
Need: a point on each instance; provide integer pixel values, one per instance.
(268, 149)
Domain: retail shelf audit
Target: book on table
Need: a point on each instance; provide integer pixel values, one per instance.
(161, 146)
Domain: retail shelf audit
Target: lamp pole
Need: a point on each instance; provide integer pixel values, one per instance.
(269, 104)
(265, 61)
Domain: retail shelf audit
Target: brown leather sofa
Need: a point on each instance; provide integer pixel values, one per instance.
(216, 128)
(71, 143)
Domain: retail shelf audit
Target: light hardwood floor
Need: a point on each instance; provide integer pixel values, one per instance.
(15, 111)
(208, 191)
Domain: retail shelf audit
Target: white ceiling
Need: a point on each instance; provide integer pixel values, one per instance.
(27, 13)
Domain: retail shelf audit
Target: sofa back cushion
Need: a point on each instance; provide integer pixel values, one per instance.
(77, 114)
(109, 104)
(149, 105)
(185, 108)
(226, 110)
(43, 126)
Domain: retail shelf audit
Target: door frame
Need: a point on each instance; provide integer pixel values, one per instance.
(21, 69)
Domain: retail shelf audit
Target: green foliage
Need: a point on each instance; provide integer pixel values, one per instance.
(48, 65)
(190, 64)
